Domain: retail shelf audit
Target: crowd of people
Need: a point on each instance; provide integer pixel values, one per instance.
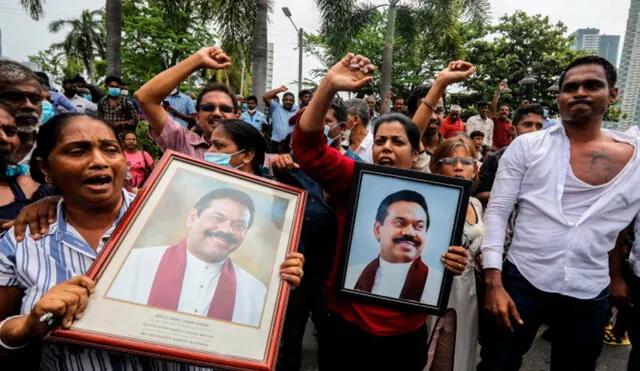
(547, 237)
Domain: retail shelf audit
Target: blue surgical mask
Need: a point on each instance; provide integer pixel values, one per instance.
(47, 111)
(244, 107)
(222, 159)
(546, 113)
(326, 134)
(114, 92)
(87, 97)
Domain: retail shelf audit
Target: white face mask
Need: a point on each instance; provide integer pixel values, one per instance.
(252, 111)
(174, 91)
(124, 92)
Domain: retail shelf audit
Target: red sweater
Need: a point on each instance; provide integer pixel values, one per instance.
(449, 127)
(501, 132)
(334, 172)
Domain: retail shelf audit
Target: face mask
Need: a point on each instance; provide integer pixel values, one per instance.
(194, 102)
(326, 134)
(222, 159)
(124, 92)
(244, 107)
(252, 111)
(47, 112)
(87, 97)
(545, 112)
(346, 134)
(174, 91)
(114, 92)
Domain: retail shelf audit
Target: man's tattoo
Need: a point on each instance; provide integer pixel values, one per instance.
(601, 167)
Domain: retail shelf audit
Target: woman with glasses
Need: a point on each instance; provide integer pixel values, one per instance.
(453, 346)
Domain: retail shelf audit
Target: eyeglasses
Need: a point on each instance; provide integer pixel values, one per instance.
(16, 96)
(210, 107)
(450, 161)
(9, 130)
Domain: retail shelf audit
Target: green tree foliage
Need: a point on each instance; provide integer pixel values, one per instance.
(34, 8)
(517, 42)
(56, 64)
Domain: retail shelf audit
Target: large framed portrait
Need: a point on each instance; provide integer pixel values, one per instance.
(192, 273)
(399, 224)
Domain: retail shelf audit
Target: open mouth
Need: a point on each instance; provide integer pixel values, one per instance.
(385, 161)
(98, 183)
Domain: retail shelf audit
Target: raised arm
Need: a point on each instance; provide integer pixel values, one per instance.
(151, 94)
(268, 96)
(455, 72)
(502, 85)
(386, 103)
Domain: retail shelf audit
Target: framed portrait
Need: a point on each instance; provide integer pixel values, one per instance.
(192, 273)
(399, 224)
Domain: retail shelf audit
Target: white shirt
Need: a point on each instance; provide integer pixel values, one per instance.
(83, 105)
(365, 149)
(142, 264)
(476, 123)
(552, 253)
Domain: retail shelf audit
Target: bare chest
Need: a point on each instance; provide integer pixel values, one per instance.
(597, 164)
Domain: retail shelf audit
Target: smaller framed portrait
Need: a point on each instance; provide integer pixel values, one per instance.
(192, 272)
(399, 224)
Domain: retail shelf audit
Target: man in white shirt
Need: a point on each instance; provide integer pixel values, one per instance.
(482, 123)
(252, 116)
(401, 226)
(373, 114)
(359, 138)
(81, 104)
(575, 187)
(196, 275)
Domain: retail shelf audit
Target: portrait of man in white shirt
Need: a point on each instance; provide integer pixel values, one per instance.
(400, 227)
(196, 275)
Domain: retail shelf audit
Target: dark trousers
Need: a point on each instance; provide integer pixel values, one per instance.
(633, 282)
(578, 327)
(348, 347)
(308, 299)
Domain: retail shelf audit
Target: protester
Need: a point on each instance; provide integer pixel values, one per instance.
(60, 103)
(356, 330)
(304, 97)
(139, 163)
(358, 137)
(82, 104)
(215, 103)
(527, 119)
(576, 183)
(501, 124)
(453, 344)
(482, 123)
(431, 138)
(180, 108)
(115, 109)
(252, 116)
(477, 137)
(96, 94)
(452, 124)
(373, 114)
(280, 114)
(92, 206)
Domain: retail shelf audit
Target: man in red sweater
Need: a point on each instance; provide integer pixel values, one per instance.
(502, 128)
(453, 124)
(361, 336)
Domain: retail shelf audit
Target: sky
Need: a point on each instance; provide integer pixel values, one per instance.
(22, 37)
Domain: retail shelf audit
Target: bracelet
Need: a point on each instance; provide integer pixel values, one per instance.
(2, 344)
(433, 107)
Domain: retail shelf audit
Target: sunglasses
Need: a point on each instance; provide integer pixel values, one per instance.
(450, 161)
(209, 107)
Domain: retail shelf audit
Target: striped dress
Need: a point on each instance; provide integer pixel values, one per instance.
(37, 266)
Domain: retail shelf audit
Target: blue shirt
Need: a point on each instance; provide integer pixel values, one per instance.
(183, 104)
(256, 121)
(37, 266)
(58, 100)
(280, 120)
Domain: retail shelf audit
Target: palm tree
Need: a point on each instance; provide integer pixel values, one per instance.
(113, 18)
(259, 51)
(85, 39)
(33, 8)
(442, 19)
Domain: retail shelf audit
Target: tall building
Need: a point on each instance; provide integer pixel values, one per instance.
(590, 39)
(629, 72)
(269, 66)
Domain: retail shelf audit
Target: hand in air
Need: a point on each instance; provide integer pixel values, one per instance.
(214, 58)
(455, 72)
(351, 73)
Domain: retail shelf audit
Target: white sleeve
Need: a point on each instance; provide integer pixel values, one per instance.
(504, 195)
(490, 134)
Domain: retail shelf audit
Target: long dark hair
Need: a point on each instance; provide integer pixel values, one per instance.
(246, 137)
(48, 136)
(413, 134)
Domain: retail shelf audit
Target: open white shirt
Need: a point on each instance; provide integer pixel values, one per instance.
(198, 286)
(553, 253)
(365, 150)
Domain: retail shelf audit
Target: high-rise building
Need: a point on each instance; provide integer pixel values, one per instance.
(269, 66)
(629, 72)
(590, 39)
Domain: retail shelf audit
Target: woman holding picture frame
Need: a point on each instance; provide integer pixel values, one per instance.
(360, 335)
(82, 157)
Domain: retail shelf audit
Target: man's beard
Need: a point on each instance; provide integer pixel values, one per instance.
(27, 121)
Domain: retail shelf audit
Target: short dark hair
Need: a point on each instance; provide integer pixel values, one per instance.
(409, 127)
(609, 69)
(253, 98)
(47, 138)
(339, 109)
(248, 138)
(289, 94)
(43, 78)
(482, 103)
(526, 109)
(216, 86)
(111, 78)
(404, 195)
(476, 133)
(68, 81)
(228, 193)
(304, 92)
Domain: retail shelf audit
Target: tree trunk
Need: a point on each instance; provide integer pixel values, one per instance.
(259, 52)
(387, 54)
(114, 36)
